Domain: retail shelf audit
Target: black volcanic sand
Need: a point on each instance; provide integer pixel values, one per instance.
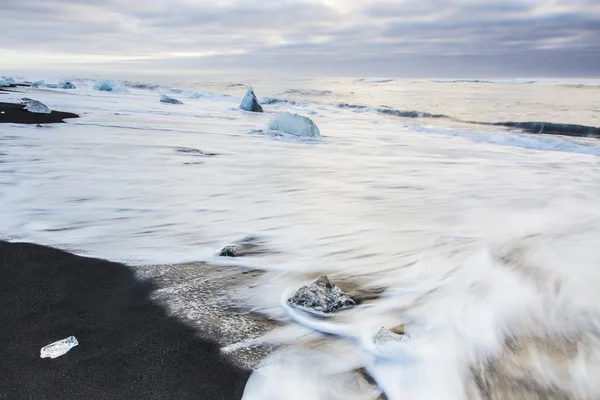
(128, 347)
(16, 113)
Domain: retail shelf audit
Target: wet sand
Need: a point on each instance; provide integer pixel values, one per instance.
(129, 348)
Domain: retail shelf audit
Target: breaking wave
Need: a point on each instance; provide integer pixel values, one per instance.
(552, 128)
(308, 92)
(390, 111)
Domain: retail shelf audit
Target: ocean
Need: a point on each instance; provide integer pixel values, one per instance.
(478, 229)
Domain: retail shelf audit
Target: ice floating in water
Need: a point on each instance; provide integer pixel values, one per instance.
(66, 85)
(295, 124)
(249, 102)
(169, 100)
(110, 86)
(321, 296)
(228, 251)
(35, 106)
(37, 84)
(4, 83)
(58, 348)
(385, 338)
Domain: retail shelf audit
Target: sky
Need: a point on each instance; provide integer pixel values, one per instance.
(303, 38)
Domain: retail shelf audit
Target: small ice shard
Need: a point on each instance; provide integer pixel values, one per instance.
(37, 84)
(35, 106)
(249, 102)
(321, 296)
(58, 348)
(4, 83)
(295, 124)
(169, 100)
(385, 338)
(66, 85)
(110, 86)
(228, 251)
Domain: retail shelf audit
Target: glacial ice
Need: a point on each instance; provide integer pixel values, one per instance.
(4, 83)
(35, 106)
(295, 124)
(321, 296)
(169, 100)
(37, 84)
(58, 348)
(249, 102)
(66, 85)
(386, 338)
(110, 86)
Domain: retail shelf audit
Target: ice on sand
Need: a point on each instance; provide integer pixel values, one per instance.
(249, 102)
(295, 124)
(110, 86)
(35, 106)
(58, 348)
(169, 100)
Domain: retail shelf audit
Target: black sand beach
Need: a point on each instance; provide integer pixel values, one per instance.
(128, 347)
(16, 114)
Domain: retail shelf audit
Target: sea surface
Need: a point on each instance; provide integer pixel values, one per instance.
(482, 238)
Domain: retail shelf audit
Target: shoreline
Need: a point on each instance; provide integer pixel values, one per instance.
(129, 345)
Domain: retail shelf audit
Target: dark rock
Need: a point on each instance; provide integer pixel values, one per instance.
(249, 102)
(228, 251)
(38, 126)
(17, 114)
(321, 296)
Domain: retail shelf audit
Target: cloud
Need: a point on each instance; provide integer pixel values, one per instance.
(315, 37)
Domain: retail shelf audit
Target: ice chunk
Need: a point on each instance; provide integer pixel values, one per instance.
(386, 338)
(35, 106)
(38, 84)
(58, 348)
(321, 296)
(249, 102)
(169, 100)
(228, 251)
(4, 83)
(110, 86)
(66, 85)
(295, 124)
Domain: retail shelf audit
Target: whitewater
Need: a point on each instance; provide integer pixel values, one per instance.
(480, 239)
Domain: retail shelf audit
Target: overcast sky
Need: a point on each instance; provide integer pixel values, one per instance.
(304, 38)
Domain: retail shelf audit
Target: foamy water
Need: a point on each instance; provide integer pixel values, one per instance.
(484, 239)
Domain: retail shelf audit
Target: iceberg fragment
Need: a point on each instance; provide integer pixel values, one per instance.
(4, 83)
(295, 124)
(110, 86)
(35, 106)
(58, 348)
(169, 100)
(321, 296)
(66, 85)
(249, 102)
(37, 84)
(385, 338)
